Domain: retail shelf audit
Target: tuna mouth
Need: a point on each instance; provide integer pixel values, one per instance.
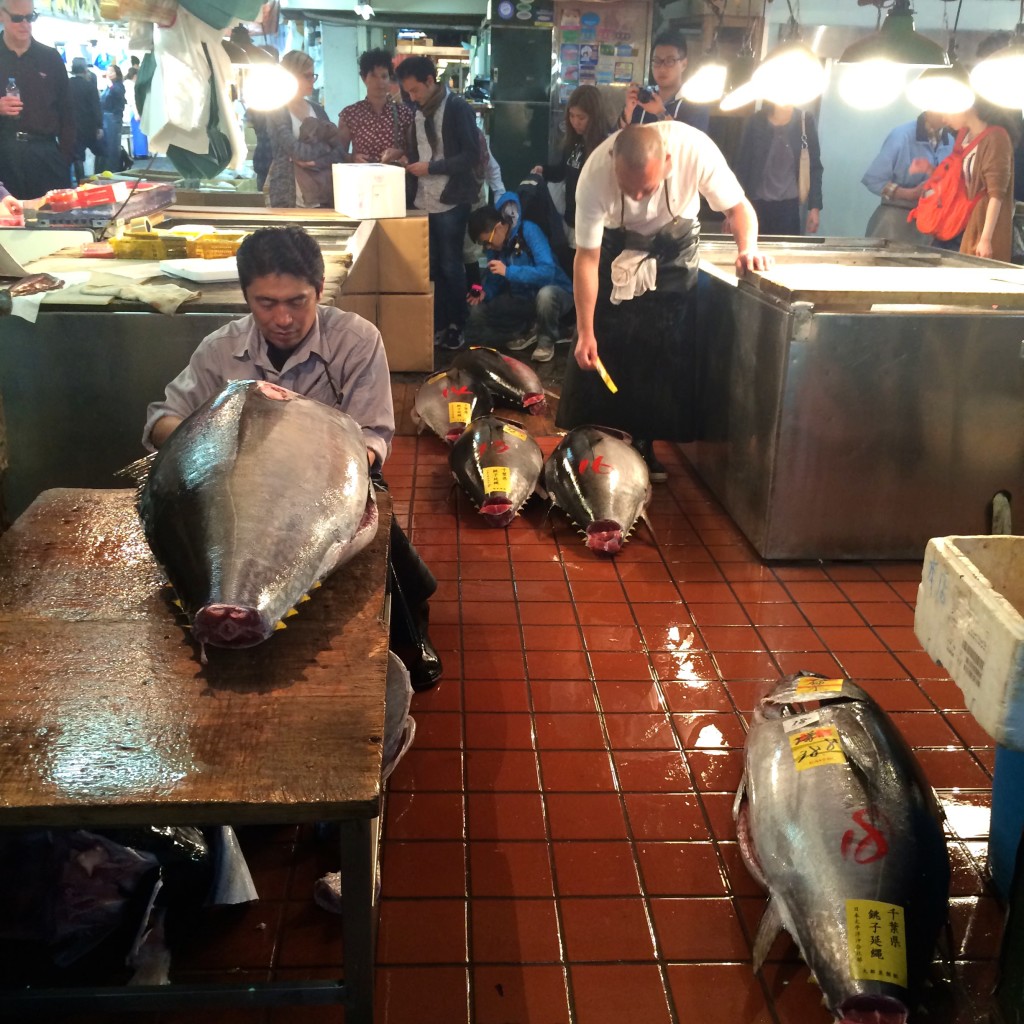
(873, 1010)
(497, 510)
(455, 431)
(604, 535)
(228, 625)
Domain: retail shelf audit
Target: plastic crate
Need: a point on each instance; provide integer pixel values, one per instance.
(970, 619)
(148, 245)
(215, 246)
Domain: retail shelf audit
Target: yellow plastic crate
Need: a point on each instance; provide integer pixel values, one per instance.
(215, 246)
(148, 245)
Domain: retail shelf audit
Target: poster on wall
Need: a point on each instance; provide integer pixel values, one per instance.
(524, 12)
(601, 44)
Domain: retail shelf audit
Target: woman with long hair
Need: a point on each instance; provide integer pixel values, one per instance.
(586, 127)
(988, 171)
(112, 103)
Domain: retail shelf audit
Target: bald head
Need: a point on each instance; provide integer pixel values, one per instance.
(641, 163)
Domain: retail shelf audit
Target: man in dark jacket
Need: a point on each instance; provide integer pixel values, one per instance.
(524, 286)
(85, 109)
(445, 160)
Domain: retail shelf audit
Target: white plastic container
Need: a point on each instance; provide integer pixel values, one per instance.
(369, 191)
(970, 619)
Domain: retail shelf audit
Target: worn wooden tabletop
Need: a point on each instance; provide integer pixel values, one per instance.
(108, 717)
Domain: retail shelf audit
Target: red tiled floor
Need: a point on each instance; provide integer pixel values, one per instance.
(559, 846)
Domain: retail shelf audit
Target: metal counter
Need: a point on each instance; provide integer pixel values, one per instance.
(75, 385)
(844, 434)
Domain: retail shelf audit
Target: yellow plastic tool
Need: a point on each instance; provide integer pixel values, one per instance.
(605, 376)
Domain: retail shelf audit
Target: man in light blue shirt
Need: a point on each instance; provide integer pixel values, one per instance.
(908, 156)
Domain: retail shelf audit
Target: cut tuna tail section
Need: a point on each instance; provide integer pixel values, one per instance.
(604, 535)
(873, 1010)
(228, 625)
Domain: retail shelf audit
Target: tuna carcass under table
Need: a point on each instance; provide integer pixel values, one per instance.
(859, 398)
(109, 718)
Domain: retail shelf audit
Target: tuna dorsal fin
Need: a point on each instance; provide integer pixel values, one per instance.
(767, 930)
(137, 471)
(304, 599)
(291, 611)
(280, 625)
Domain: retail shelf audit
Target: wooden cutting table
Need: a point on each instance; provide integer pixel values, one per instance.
(108, 718)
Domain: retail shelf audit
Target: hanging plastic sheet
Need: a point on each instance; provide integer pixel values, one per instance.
(220, 14)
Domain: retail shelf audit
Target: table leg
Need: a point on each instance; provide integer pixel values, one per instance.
(358, 917)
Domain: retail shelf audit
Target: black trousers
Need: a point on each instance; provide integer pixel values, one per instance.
(31, 167)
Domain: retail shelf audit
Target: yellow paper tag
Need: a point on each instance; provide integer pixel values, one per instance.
(811, 684)
(816, 746)
(497, 478)
(606, 377)
(459, 412)
(436, 376)
(515, 431)
(877, 940)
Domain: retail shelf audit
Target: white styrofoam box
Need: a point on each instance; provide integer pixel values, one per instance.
(970, 619)
(369, 191)
(200, 270)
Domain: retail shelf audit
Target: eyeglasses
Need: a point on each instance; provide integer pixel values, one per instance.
(490, 237)
(17, 19)
(665, 62)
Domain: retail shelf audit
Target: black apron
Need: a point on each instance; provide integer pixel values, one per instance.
(646, 344)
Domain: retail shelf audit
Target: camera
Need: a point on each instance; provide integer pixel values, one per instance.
(646, 93)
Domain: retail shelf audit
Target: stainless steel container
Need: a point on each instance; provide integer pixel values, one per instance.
(851, 427)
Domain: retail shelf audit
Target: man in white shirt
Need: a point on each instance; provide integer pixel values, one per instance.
(636, 221)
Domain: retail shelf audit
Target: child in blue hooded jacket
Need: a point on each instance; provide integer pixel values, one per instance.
(524, 285)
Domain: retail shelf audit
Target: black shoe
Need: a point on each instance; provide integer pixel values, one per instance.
(427, 669)
(453, 340)
(655, 470)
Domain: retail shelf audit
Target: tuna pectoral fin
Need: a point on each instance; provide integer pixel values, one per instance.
(767, 930)
(650, 528)
(137, 471)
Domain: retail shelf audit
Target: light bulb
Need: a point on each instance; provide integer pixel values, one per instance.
(739, 97)
(1000, 78)
(870, 84)
(268, 86)
(706, 84)
(942, 89)
(790, 77)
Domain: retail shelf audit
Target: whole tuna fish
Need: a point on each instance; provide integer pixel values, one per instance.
(601, 483)
(497, 464)
(510, 381)
(836, 821)
(253, 500)
(448, 400)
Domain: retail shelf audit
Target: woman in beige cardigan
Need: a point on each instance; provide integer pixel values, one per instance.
(988, 169)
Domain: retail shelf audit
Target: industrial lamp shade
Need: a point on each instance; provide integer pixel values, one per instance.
(943, 89)
(896, 41)
(236, 54)
(999, 78)
(791, 76)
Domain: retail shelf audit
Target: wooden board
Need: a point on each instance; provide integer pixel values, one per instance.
(108, 717)
(833, 286)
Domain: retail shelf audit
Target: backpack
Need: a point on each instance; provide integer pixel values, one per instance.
(537, 205)
(943, 209)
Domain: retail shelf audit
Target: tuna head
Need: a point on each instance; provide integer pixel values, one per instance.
(510, 381)
(600, 481)
(448, 400)
(253, 500)
(497, 464)
(835, 819)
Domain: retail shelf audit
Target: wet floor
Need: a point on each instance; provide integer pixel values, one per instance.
(559, 846)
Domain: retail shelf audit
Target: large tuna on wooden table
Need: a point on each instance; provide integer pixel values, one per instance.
(250, 503)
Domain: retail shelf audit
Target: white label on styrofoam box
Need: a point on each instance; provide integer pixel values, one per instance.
(369, 191)
(969, 620)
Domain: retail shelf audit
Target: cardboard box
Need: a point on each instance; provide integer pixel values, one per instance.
(364, 305)
(406, 323)
(369, 191)
(970, 619)
(403, 254)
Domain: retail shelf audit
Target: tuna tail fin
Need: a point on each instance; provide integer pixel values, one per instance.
(137, 471)
(767, 930)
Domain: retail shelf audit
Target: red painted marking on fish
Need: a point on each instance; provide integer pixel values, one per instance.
(459, 389)
(498, 447)
(598, 465)
(871, 846)
(274, 391)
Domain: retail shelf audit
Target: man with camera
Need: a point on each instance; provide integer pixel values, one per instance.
(664, 100)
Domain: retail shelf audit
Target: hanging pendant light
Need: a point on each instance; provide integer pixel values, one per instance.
(268, 86)
(896, 41)
(791, 76)
(999, 78)
(739, 90)
(870, 84)
(707, 83)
